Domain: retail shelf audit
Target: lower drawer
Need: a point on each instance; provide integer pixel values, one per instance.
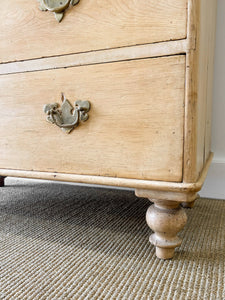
(135, 125)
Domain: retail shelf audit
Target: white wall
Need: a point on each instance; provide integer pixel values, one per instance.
(214, 186)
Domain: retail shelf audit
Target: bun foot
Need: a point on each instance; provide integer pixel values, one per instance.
(164, 253)
(166, 219)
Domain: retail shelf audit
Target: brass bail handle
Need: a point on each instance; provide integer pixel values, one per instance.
(67, 117)
(58, 7)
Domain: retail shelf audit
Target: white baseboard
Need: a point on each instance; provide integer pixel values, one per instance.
(214, 186)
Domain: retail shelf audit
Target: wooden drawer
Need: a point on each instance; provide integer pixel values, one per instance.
(29, 33)
(135, 128)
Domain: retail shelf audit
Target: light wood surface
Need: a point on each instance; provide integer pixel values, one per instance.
(166, 219)
(97, 57)
(199, 72)
(145, 66)
(119, 182)
(29, 33)
(135, 129)
(178, 196)
(205, 79)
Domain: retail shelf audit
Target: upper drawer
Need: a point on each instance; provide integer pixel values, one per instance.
(26, 32)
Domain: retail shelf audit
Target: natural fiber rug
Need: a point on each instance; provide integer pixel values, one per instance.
(61, 241)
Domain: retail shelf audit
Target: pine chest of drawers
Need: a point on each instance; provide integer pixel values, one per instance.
(110, 92)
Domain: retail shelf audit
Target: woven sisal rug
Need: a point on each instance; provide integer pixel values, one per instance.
(60, 242)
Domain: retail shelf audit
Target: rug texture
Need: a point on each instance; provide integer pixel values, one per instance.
(60, 242)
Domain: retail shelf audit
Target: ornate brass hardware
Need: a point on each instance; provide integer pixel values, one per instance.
(57, 6)
(67, 117)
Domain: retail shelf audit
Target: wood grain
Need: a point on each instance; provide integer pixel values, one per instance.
(96, 57)
(135, 128)
(201, 32)
(178, 196)
(208, 35)
(115, 181)
(166, 219)
(91, 25)
(149, 125)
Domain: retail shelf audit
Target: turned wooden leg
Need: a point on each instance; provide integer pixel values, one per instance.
(166, 219)
(2, 181)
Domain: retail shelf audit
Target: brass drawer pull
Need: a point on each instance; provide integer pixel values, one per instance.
(67, 117)
(57, 6)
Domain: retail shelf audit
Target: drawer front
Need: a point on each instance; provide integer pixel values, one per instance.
(28, 32)
(135, 125)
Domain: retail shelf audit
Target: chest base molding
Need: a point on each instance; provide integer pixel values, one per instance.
(119, 182)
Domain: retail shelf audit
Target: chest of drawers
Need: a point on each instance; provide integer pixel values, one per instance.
(126, 88)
